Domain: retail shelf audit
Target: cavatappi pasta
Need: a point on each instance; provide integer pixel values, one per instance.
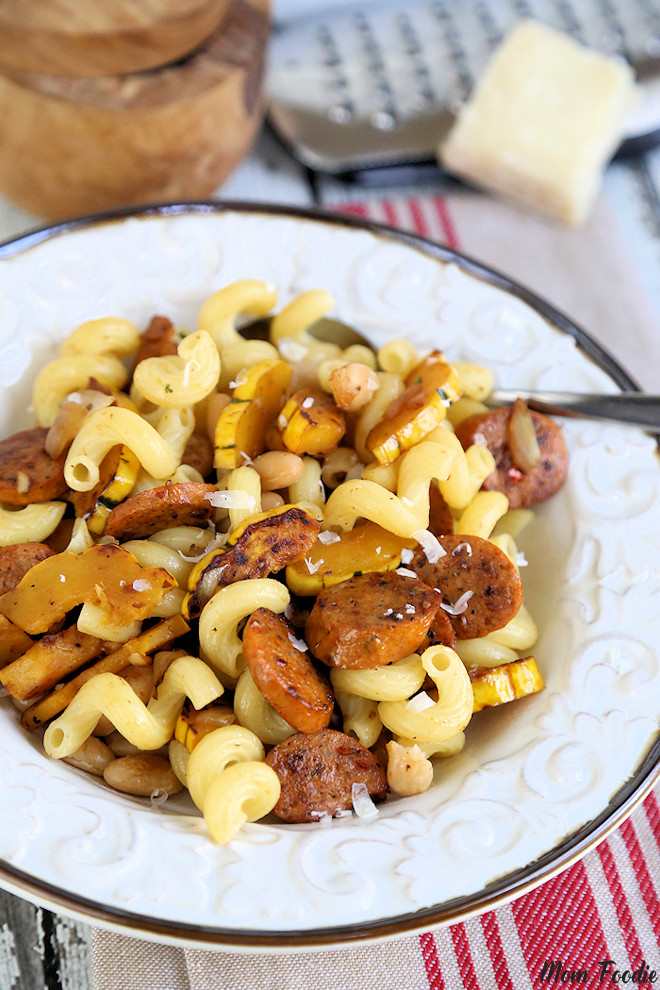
(254, 548)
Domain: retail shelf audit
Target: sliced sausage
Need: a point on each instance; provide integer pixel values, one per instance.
(441, 631)
(160, 508)
(477, 574)
(27, 473)
(16, 561)
(84, 503)
(522, 489)
(317, 772)
(268, 544)
(370, 620)
(285, 674)
(158, 340)
(198, 453)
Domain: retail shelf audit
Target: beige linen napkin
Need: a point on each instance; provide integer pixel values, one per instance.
(587, 273)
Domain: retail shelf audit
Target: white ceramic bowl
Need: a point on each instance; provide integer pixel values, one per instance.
(538, 783)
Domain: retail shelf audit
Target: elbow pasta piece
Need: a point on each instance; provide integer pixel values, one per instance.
(360, 717)
(448, 715)
(398, 357)
(391, 682)
(337, 465)
(93, 620)
(176, 425)
(463, 408)
(170, 605)
(81, 538)
(71, 374)
(103, 430)
(106, 335)
(218, 637)
(391, 387)
(244, 479)
(476, 380)
(150, 553)
(182, 379)
(229, 782)
(218, 315)
(294, 321)
(31, 524)
(184, 539)
(520, 633)
(256, 714)
(484, 653)
(481, 514)
(145, 726)
(407, 511)
(308, 490)
(443, 750)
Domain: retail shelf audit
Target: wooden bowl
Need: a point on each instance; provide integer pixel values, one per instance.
(67, 37)
(71, 146)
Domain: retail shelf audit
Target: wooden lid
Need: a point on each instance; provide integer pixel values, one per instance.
(67, 37)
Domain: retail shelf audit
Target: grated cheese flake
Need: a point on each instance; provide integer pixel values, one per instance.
(405, 572)
(313, 568)
(458, 607)
(362, 803)
(298, 644)
(419, 703)
(22, 482)
(232, 498)
(240, 379)
(308, 402)
(291, 349)
(406, 555)
(429, 544)
(141, 584)
(521, 559)
(327, 536)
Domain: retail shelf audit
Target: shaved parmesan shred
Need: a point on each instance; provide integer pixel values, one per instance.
(22, 482)
(240, 379)
(282, 421)
(291, 349)
(323, 818)
(308, 402)
(458, 607)
(313, 568)
(298, 644)
(362, 803)
(141, 584)
(406, 555)
(247, 460)
(327, 536)
(405, 572)
(429, 544)
(521, 559)
(419, 703)
(410, 609)
(232, 499)
(462, 546)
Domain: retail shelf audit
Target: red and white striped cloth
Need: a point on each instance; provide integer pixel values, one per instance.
(606, 907)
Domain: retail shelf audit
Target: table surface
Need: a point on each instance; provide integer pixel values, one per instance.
(41, 949)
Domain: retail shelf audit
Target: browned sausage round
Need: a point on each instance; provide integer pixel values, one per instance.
(16, 561)
(160, 508)
(441, 631)
(474, 565)
(27, 473)
(370, 620)
(158, 340)
(285, 675)
(317, 772)
(522, 489)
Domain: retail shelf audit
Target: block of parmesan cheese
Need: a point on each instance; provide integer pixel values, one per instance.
(543, 122)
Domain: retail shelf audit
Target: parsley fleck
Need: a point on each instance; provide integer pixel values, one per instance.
(168, 388)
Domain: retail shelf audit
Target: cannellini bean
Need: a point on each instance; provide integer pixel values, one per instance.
(408, 770)
(353, 385)
(93, 757)
(271, 500)
(278, 469)
(143, 774)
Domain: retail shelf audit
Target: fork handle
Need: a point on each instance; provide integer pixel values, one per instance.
(634, 408)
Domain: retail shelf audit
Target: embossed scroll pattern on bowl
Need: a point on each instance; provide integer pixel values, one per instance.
(528, 777)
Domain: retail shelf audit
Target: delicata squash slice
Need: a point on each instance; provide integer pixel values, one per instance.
(311, 423)
(431, 387)
(507, 682)
(118, 473)
(335, 558)
(104, 575)
(263, 543)
(257, 398)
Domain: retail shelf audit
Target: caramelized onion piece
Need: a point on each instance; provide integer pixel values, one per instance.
(523, 444)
